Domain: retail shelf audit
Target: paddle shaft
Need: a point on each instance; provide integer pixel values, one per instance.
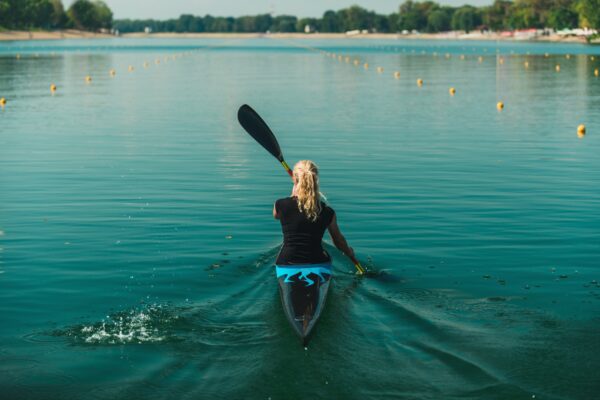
(288, 169)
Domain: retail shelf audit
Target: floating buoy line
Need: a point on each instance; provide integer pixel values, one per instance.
(500, 105)
(347, 59)
(88, 79)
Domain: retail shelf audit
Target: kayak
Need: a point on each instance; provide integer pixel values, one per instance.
(303, 290)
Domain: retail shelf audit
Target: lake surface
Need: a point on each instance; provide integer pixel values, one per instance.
(137, 242)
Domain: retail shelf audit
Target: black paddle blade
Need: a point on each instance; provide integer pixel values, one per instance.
(259, 130)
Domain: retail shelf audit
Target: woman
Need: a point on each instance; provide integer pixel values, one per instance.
(304, 218)
(303, 267)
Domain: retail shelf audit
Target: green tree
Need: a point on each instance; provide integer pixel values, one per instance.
(354, 17)
(4, 13)
(495, 16)
(284, 23)
(263, 22)
(330, 22)
(209, 24)
(380, 23)
(104, 14)
(439, 20)
(82, 15)
(88, 15)
(563, 15)
(466, 18)
(394, 22)
(58, 18)
(529, 13)
(589, 13)
(183, 23)
(413, 15)
(245, 24)
(14, 17)
(197, 25)
(302, 23)
(39, 13)
(218, 24)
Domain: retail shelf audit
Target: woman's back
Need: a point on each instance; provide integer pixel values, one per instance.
(302, 238)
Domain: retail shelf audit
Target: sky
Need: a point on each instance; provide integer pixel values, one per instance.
(161, 9)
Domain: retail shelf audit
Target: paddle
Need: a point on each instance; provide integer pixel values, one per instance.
(260, 131)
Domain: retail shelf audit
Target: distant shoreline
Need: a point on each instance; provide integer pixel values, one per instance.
(75, 34)
(395, 36)
(51, 35)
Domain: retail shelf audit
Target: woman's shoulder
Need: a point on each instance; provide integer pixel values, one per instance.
(327, 208)
(285, 201)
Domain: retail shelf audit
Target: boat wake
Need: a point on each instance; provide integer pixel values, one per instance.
(391, 335)
(151, 324)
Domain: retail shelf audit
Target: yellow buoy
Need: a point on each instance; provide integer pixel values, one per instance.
(592, 58)
(380, 69)
(447, 55)
(157, 61)
(500, 106)
(397, 74)
(568, 56)
(557, 68)
(340, 58)
(581, 130)
(480, 59)
(452, 91)
(53, 88)
(347, 59)
(546, 55)
(112, 72)
(462, 56)
(596, 73)
(18, 56)
(130, 68)
(366, 65)
(501, 60)
(356, 62)
(419, 82)
(146, 64)
(88, 79)
(2, 102)
(526, 64)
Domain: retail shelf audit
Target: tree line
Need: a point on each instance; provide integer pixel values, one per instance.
(425, 16)
(51, 14)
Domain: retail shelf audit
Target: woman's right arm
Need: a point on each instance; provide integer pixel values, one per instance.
(339, 240)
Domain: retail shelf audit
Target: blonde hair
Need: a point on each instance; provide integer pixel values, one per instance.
(306, 178)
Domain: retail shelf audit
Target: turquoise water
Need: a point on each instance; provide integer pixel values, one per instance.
(137, 242)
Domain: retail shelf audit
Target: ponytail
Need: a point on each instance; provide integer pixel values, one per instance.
(306, 178)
